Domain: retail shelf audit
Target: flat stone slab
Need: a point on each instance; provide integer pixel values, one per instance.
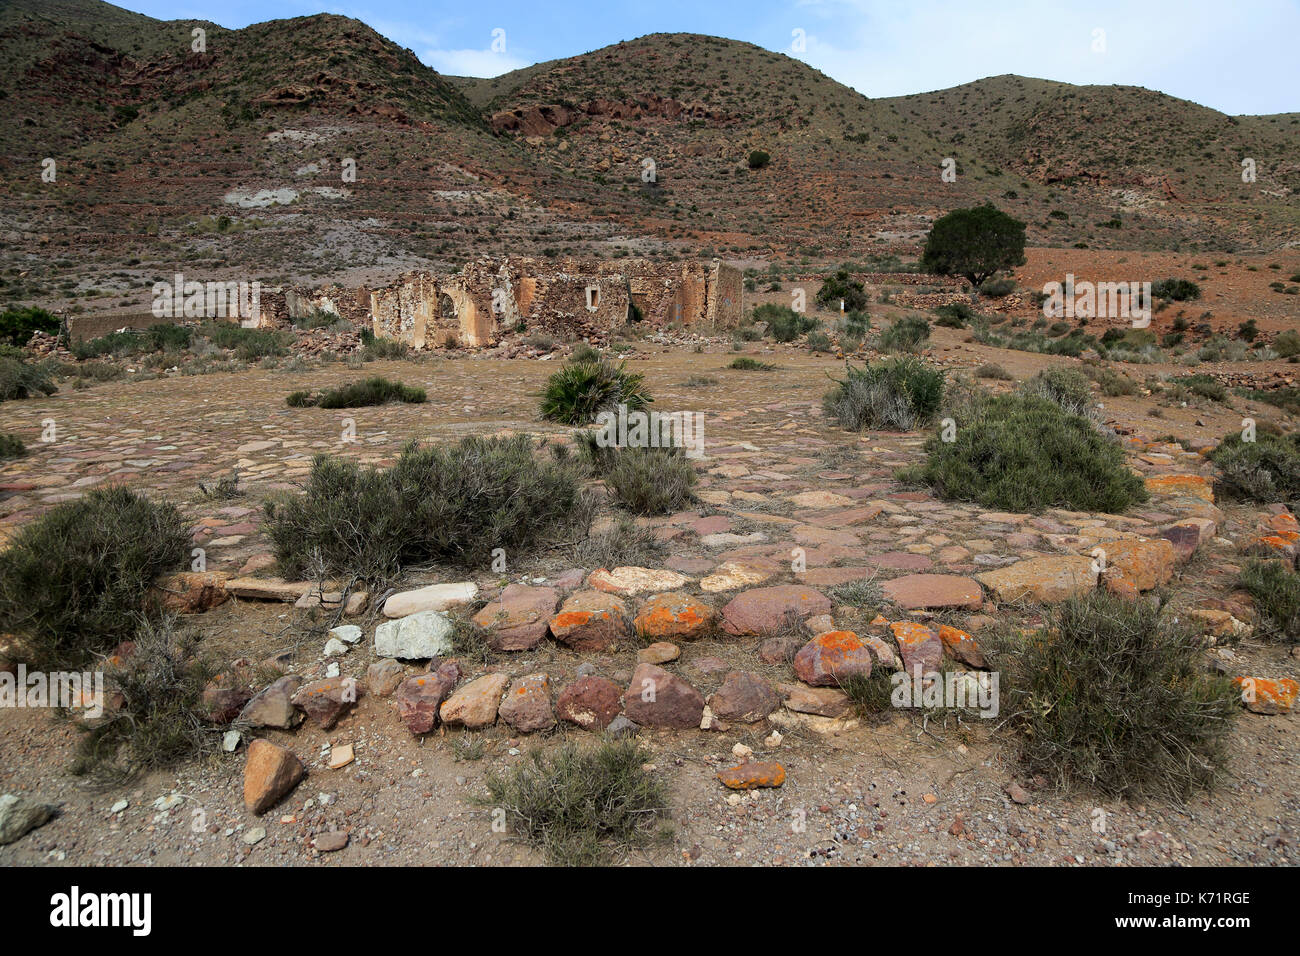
(1044, 579)
(767, 610)
(434, 597)
(923, 591)
(633, 580)
(417, 637)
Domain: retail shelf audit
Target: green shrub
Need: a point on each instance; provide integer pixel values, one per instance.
(995, 371)
(1176, 290)
(1112, 383)
(819, 342)
(374, 347)
(1287, 343)
(451, 503)
(905, 335)
(1266, 469)
(249, 345)
(1022, 453)
(75, 580)
(580, 391)
(375, 390)
(840, 287)
(20, 378)
(1064, 386)
(899, 394)
(758, 159)
(1276, 595)
(784, 324)
(855, 324)
(1114, 699)
(11, 446)
(744, 363)
(997, 288)
(577, 805)
(18, 325)
(955, 315)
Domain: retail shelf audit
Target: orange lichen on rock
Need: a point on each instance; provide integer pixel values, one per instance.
(749, 776)
(1262, 695)
(1181, 486)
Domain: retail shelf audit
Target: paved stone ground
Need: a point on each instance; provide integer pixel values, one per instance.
(777, 485)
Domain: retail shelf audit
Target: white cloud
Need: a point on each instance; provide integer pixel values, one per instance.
(472, 62)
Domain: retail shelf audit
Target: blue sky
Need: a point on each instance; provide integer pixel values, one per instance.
(1236, 57)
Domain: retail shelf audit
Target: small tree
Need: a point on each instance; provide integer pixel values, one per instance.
(974, 243)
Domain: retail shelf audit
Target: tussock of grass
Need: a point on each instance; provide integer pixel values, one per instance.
(75, 580)
(647, 481)
(581, 390)
(1113, 698)
(581, 805)
(744, 363)
(11, 446)
(907, 334)
(625, 543)
(1064, 386)
(375, 390)
(20, 378)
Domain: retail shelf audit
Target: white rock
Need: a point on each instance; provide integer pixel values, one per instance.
(332, 670)
(255, 835)
(742, 752)
(119, 806)
(417, 637)
(335, 648)
(348, 633)
(435, 597)
(230, 742)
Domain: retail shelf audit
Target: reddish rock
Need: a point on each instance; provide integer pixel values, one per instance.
(819, 701)
(224, 697)
(918, 645)
(518, 619)
(1145, 562)
(900, 561)
(961, 646)
(830, 658)
(591, 621)
(325, 701)
(660, 652)
(382, 677)
(744, 697)
(1264, 696)
(273, 706)
(192, 592)
(475, 705)
(767, 610)
(527, 705)
(749, 776)
(915, 591)
(270, 772)
(419, 698)
(674, 617)
(589, 702)
(780, 650)
(656, 698)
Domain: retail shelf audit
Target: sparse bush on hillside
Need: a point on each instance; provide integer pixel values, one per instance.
(784, 324)
(994, 371)
(840, 287)
(900, 394)
(954, 315)
(74, 581)
(374, 347)
(758, 159)
(1275, 591)
(624, 544)
(11, 446)
(20, 378)
(249, 345)
(1265, 470)
(1064, 386)
(906, 334)
(644, 481)
(1113, 698)
(1176, 290)
(1022, 453)
(580, 391)
(974, 243)
(1287, 343)
(997, 288)
(18, 325)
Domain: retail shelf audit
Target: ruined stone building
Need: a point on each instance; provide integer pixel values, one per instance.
(583, 297)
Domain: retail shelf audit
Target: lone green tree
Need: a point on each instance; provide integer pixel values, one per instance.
(974, 243)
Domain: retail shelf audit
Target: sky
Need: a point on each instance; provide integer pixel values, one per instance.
(1239, 58)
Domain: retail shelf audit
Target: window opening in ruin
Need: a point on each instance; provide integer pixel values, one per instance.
(593, 298)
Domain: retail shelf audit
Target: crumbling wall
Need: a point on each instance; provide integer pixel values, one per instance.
(578, 297)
